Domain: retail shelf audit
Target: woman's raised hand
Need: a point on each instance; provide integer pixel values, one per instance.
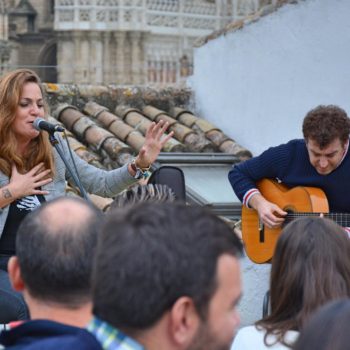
(155, 140)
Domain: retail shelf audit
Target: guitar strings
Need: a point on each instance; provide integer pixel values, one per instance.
(342, 219)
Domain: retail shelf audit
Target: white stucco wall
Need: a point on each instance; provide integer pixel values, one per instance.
(257, 84)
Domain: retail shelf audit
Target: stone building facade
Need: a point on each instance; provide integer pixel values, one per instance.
(111, 41)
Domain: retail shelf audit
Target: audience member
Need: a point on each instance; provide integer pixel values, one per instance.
(167, 277)
(52, 267)
(328, 328)
(143, 193)
(311, 266)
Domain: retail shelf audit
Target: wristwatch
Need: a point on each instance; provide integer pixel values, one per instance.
(140, 173)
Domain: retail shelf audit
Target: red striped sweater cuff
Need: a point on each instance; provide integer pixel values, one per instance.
(249, 194)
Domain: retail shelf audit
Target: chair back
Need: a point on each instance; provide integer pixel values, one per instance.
(171, 176)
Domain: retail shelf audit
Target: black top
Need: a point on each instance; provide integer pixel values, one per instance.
(18, 210)
(48, 335)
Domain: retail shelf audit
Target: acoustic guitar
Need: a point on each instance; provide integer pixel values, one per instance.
(259, 240)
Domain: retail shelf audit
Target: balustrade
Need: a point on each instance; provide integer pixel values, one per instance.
(143, 40)
(202, 16)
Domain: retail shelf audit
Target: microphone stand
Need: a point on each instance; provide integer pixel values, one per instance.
(54, 143)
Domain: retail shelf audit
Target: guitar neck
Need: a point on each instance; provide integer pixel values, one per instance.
(342, 219)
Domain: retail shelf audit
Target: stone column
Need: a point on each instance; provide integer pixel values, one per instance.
(120, 38)
(14, 53)
(218, 14)
(77, 61)
(85, 58)
(65, 58)
(106, 58)
(143, 59)
(158, 70)
(234, 10)
(135, 58)
(3, 27)
(96, 53)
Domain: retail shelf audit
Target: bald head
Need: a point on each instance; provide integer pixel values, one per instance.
(66, 214)
(55, 245)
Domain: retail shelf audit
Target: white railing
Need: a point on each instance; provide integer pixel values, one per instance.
(158, 16)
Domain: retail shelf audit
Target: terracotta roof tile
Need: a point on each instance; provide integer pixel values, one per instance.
(98, 138)
(139, 122)
(123, 131)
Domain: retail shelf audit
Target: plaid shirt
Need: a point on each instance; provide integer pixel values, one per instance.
(111, 338)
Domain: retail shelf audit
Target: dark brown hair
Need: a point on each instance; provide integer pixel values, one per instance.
(310, 267)
(324, 124)
(328, 328)
(177, 247)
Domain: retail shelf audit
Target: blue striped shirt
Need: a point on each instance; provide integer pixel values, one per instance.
(111, 338)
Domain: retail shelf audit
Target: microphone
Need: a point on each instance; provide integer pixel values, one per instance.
(41, 124)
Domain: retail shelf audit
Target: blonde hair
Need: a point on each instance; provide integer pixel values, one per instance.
(40, 150)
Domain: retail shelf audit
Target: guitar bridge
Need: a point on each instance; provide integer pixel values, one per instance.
(261, 232)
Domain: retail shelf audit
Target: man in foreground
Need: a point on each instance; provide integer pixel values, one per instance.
(167, 277)
(55, 245)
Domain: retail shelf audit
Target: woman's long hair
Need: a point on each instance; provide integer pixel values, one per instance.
(310, 267)
(39, 150)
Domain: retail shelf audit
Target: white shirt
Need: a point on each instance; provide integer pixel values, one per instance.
(250, 338)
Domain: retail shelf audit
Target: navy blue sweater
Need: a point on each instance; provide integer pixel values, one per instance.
(48, 335)
(290, 163)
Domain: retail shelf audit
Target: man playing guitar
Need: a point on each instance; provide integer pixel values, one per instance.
(320, 160)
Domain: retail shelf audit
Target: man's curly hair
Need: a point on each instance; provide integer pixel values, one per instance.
(324, 124)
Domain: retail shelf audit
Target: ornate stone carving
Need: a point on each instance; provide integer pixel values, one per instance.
(247, 7)
(142, 40)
